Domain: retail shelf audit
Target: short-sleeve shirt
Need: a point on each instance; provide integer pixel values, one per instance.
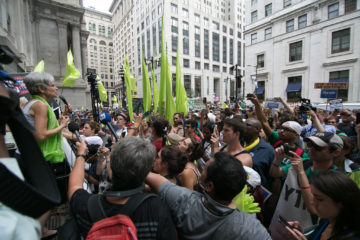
(152, 218)
(195, 221)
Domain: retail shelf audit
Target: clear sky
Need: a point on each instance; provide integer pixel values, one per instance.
(100, 5)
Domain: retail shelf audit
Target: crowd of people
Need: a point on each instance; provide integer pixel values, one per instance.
(234, 173)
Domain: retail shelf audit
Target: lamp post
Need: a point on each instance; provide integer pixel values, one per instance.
(122, 79)
(238, 77)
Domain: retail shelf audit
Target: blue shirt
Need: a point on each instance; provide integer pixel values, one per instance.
(310, 130)
(262, 155)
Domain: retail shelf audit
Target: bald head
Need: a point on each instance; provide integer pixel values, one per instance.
(254, 122)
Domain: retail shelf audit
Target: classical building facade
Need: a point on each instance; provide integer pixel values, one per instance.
(293, 44)
(46, 29)
(100, 54)
(207, 33)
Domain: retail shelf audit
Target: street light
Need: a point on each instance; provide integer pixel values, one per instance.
(238, 77)
(121, 75)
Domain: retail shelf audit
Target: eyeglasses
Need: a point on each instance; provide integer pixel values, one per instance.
(316, 147)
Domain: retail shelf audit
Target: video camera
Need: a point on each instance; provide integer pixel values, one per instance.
(306, 106)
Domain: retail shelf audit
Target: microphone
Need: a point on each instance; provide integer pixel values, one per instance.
(63, 99)
(74, 128)
(106, 119)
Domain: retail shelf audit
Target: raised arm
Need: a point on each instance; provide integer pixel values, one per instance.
(286, 106)
(315, 121)
(155, 181)
(260, 115)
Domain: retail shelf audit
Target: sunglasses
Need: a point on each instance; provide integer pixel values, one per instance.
(313, 145)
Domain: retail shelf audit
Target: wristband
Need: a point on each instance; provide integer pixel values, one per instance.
(81, 155)
(305, 187)
(276, 165)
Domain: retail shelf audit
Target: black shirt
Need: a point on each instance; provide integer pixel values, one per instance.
(152, 218)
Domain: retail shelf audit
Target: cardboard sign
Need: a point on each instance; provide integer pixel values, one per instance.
(331, 85)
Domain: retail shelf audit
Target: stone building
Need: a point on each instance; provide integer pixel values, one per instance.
(46, 29)
(209, 35)
(293, 44)
(100, 47)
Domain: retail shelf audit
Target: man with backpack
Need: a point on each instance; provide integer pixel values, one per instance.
(125, 210)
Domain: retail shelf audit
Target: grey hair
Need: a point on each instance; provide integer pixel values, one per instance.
(35, 79)
(131, 160)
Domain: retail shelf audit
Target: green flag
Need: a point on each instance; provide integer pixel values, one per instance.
(71, 73)
(146, 88)
(170, 106)
(114, 99)
(162, 72)
(155, 88)
(102, 91)
(181, 98)
(133, 83)
(128, 88)
(40, 67)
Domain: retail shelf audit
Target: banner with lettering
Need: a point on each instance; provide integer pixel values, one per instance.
(291, 207)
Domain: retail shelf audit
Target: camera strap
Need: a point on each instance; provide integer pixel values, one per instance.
(39, 192)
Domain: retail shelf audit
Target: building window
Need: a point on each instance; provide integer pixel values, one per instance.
(290, 25)
(254, 16)
(206, 44)
(174, 8)
(231, 32)
(185, 28)
(216, 68)
(216, 25)
(197, 18)
(295, 51)
(173, 61)
(287, 3)
(302, 21)
(187, 84)
(350, 6)
(231, 49)
(174, 39)
(216, 47)
(186, 45)
(159, 29)
(206, 66)
(260, 91)
(239, 53)
(333, 10)
(186, 63)
(148, 43)
(185, 13)
(340, 41)
(224, 69)
(340, 76)
(154, 37)
(197, 65)
(293, 95)
(268, 9)
(197, 86)
(253, 38)
(206, 22)
(268, 33)
(224, 29)
(174, 25)
(260, 61)
(239, 34)
(197, 42)
(224, 55)
(253, 2)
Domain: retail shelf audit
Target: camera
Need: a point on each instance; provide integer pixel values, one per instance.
(306, 106)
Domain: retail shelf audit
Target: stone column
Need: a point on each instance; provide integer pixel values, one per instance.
(63, 46)
(84, 59)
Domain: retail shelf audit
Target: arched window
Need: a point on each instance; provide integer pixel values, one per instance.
(92, 40)
(110, 44)
(102, 42)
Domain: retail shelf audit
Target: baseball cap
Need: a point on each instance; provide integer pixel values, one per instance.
(293, 125)
(253, 178)
(326, 139)
(174, 139)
